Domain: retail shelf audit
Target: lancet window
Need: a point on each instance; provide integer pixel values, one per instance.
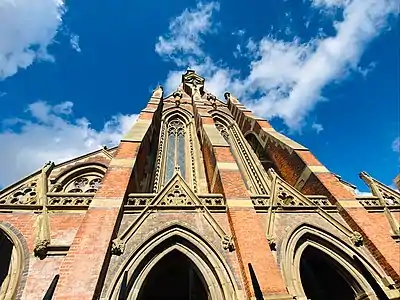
(176, 143)
(254, 176)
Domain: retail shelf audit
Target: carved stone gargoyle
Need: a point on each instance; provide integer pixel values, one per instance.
(227, 243)
(117, 247)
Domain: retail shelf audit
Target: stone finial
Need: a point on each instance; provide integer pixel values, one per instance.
(366, 177)
(227, 95)
(157, 92)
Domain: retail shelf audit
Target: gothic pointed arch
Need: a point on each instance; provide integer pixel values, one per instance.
(176, 149)
(318, 265)
(256, 178)
(13, 264)
(260, 151)
(175, 242)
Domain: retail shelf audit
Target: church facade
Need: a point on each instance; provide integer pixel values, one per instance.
(201, 200)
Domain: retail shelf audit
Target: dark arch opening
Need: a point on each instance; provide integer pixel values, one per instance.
(324, 279)
(174, 277)
(6, 247)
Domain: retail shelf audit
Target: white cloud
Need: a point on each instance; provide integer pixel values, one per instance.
(74, 41)
(50, 133)
(396, 145)
(27, 28)
(361, 194)
(286, 79)
(317, 127)
(185, 32)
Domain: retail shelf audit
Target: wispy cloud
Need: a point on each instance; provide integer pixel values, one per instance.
(49, 132)
(185, 33)
(285, 79)
(27, 28)
(396, 145)
(317, 127)
(74, 41)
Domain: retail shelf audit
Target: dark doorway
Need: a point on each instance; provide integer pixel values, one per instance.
(6, 248)
(323, 278)
(173, 277)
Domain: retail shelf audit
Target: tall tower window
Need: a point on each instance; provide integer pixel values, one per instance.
(175, 149)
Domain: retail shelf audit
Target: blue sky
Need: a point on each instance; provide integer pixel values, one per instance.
(74, 74)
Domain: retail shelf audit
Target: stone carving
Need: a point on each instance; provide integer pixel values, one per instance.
(84, 184)
(83, 200)
(212, 201)
(26, 194)
(117, 247)
(368, 202)
(192, 161)
(177, 97)
(42, 232)
(271, 242)
(176, 196)
(40, 249)
(286, 198)
(228, 243)
(139, 200)
(157, 172)
(356, 238)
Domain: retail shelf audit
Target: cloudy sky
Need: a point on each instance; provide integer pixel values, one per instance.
(74, 74)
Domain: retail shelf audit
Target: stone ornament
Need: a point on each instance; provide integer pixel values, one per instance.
(357, 239)
(117, 247)
(227, 243)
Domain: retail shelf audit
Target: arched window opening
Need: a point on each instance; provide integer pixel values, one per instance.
(324, 279)
(88, 183)
(260, 152)
(6, 249)
(12, 264)
(253, 176)
(175, 149)
(317, 265)
(174, 277)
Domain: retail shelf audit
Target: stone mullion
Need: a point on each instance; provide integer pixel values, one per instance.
(81, 273)
(250, 241)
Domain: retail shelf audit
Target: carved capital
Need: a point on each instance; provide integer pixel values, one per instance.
(227, 243)
(117, 247)
(41, 247)
(357, 239)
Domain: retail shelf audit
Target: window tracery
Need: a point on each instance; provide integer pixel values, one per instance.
(84, 184)
(175, 149)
